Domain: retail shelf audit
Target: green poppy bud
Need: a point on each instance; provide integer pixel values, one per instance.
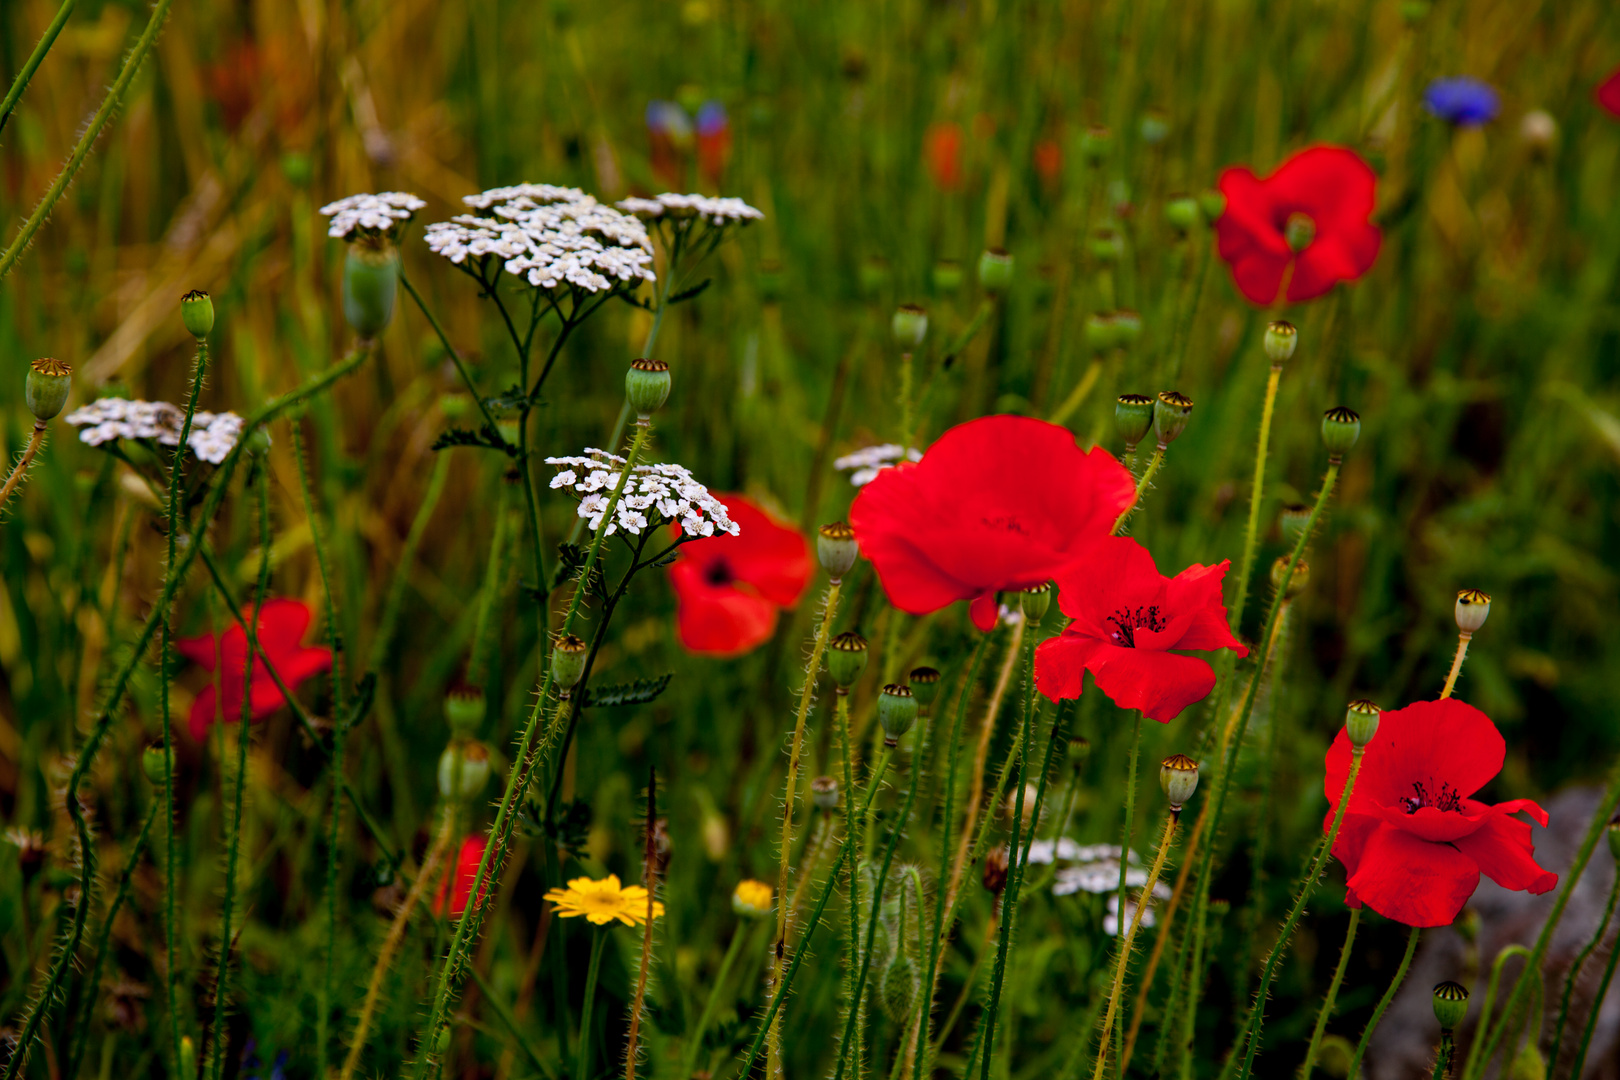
(909, 326)
(1154, 128)
(463, 770)
(1292, 522)
(464, 709)
(1133, 418)
(846, 659)
(874, 275)
(947, 276)
(1079, 750)
(1095, 145)
(837, 549)
(152, 764)
(1213, 204)
(1101, 331)
(1450, 1005)
(1341, 427)
(1127, 327)
(1361, 722)
(370, 282)
(646, 386)
(1182, 214)
(897, 711)
(46, 386)
(1106, 246)
(995, 270)
(1281, 340)
(1296, 582)
(1299, 231)
(1170, 415)
(1178, 776)
(197, 312)
(1473, 608)
(1036, 601)
(924, 685)
(824, 793)
(568, 663)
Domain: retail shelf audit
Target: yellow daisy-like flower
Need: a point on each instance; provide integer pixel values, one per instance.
(603, 901)
(752, 899)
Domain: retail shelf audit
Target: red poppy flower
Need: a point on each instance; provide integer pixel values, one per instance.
(729, 589)
(282, 624)
(942, 147)
(1126, 617)
(463, 874)
(1414, 841)
(998, 503)
(1608, 94)
(1048, 157)
(1329, 187)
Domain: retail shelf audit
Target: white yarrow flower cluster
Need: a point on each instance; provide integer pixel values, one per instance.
(871, 460)
(212, 434)
(714, 211)
(1094, 869)
(383, 212)
(1111, 918)
(654, 495)
(548, 235)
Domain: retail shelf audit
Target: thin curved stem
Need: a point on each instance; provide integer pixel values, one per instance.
(1141, 488)
(1128, 939)
(37, 57)
(1383, 1002)
(1251, 534)
(455, 358)
(1463, 637)
(582, 1053)
(1593, 1013)
(19, 470)
(1491, 988)
(720, 979)
(1575, 972)
(1328, 1002)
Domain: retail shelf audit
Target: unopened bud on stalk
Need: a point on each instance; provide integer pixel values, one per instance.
(947, 276)
(924, 686)
(568, 663)
(1473, 608)
(1296, 583)
(909, 326)
(995, 270)
(152, 764)
(1292, 521)
(1361, 722)
(646, 386)
(1178, 776)
(1035, 602)
(197, 312)
(1213, 204)
(46, 386)
(1182, 213)
(995, 870)
(897, 711)
(1095, 145)
(370, 283)
(753, 899)
(846, 659)
(1127, 327)
(1106, 245)
(1079, 750)
(1450, 1005)
(1101, 331)
(1299, 231)
(1133, 418)
(463, 769)
(1281, 340)
(824, 792)
(1341, 427)
(837, 549)
(1170, 415)
(464, 708)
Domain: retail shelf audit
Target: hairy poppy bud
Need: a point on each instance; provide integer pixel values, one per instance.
(1296, 582)
(898, 989)
(924, 685)
(1178, 776)
(947, 276)
(995, 870)
(1450, 1005)
(995, 270)
(464, 708)
(568, 662)
(824, 792)
(846, 658)
(646, 386)
(1341, 427)
(1036, 601)
(370, 283)
(1170, 414)
(1281, 340)
(1292, 521)
(753, 899)
(46, 386)
(1213, 204)
(1079, 750)
(897, 711)
(1361, 722)
(152, 764)
(463, 769)
(1105, 245)
(909, 326)
(1473, 607)
(837, 549)
(197, 312)
(1182, 213)
(1133, 418)
(1095, 145)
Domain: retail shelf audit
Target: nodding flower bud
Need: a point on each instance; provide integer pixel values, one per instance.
(897, 711)
(370, 283)
(1127, 328)
(46, 386)
(837, 549)
(1295, 584)
(1473, 608)
(1450, 1005)
(1095, 145)
(568, 663)
(1036, 601)
(947, 276)
(152, 764)
(197, 312)
(1361, 722)
(1281, 340)
(753, 899)
(464, 708)
(1341, 427)
(1299, 231)
(1178, 776)
(1105, 245)
(909, 326)
(995, 270)
(1170, 415)
(924, 685)
(1292, 522)
(824, 792)
(463, 769)
(1133, 418)
(846, 659)
(995, 870)
(646, 386)
(1182, 214)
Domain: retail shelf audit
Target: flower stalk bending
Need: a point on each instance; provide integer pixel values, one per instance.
(1128, 939)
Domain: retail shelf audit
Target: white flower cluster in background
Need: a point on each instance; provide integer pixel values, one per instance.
(549, 236)
(1111, 918)
(714, 211)
(871, 460)
(378, 213)
(1094, 867)
(212, 434)
(653, 495)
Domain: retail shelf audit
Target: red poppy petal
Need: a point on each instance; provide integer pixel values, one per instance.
(199, 650)
(1116, 572)
(1343, 256)
(1161, 684)
(910, 579)
(1505, 853)
(1198, 589)
(1251, 224)
(724, 622)
(1330, 183)
(985, 611)
(296, 667)
(768, 554)
(1529, 806)
(1413, 881)
(282, 623)
(202, 713)
(1258, 277)
(1433, 743)
(1429, 823)
(1608, 94)
(1061, 662)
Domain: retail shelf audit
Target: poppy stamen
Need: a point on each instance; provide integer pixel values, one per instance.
(1127, 621)
(1447, 800)
(718, 573)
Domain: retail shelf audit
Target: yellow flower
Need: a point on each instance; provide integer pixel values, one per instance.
(752, 899)
(603, 901)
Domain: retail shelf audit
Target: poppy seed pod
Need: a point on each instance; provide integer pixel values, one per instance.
(646, 386)
(1299, 231)
(1170, 415)
(1296, 583)
(1292, 522)
(947, 276)
(897, 711)
(846, 658)
(1127, 328)
(909, 326)
(1281, 340)
(1341, 427)
(1450, 1005)
(46, 386)
(568, 662)
(197, 312)
(837, 549)
(995, 270)
(924, 685)
(1178, 776)
(1095, 145)
(1473, 608)
(1361, 722)
(370, 284)
(152, 764)
(464, 709)
(463, 769)
(1182, 214)
(824, 792)
(1101, 330)
(1036, 601)
(1133, 418)
(1105, 245)
(1079, 750)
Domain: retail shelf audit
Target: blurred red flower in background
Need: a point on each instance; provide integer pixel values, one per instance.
(1048, 158)
(942, 149)
(1608, 93)
(456, 886)
(282, 623)
(729, 589)
(1414, 841)
(1325, 195)
(713, 141)
(998, 503)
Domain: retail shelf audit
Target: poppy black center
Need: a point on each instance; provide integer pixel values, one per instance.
(1447, 799)
(719, 573)
(1127, 621)
(1004, 523)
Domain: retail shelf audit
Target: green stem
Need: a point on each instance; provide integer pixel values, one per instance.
(478, 661)
(407, 557)
(852, 840)
(1127, 938)
(963, 340)
(455, 357)
(1592, 1014)
(1575, 971)
(1141, 488)
(1383, 1002)
(582, 1054)
(1326, 1012)
(1491, 988)
(37, 57)
(512, 1026)
(695, 1047)
(35, 440)
(1251, 534)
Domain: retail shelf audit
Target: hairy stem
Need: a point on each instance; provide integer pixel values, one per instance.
(1128, 938)
(19, 470)
(1326, 1012)
(1251, 534)
(1383, 1002)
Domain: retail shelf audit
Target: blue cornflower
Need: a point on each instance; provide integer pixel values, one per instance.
(1463, 101)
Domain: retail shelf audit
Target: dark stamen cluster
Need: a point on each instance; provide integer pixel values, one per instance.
(1448, 799)
(1128, 620)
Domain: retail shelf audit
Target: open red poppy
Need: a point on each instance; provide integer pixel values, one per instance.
(729, 589)
(1608, 93)
(1414, 840)
(942, 147)
(282, 623)
(998, 503)
(457, 884)
(1331, 192)
(1126, 618)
